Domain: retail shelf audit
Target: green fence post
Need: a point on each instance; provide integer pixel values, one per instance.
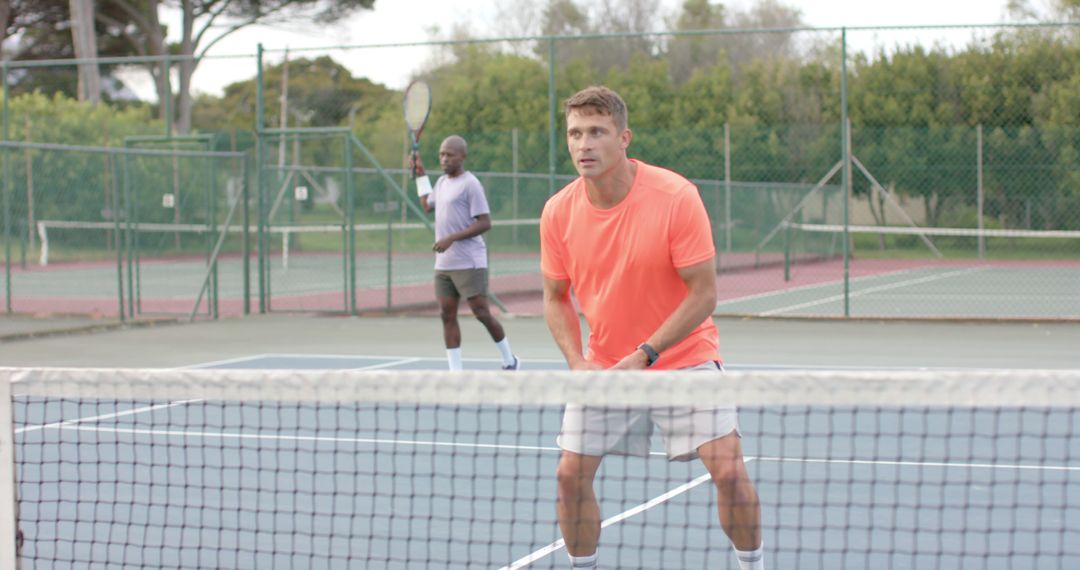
(129, 209)
(167, 103)
(213, 297)
(7, 191)
(260, 143)
(552, 121)
(245, 234)
(117, 239)
(787, 252)
(846, 171)
(350, 216)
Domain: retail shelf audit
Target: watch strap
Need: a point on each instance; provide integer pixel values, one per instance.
(649, 352)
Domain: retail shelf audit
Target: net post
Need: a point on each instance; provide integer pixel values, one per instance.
(43, 239)
(9, 527)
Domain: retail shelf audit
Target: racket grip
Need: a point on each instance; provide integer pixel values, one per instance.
(413, 156)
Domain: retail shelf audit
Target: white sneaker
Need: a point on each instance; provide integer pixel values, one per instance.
(515, 366)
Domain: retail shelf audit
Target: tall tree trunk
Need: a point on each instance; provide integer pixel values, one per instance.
(85, 42)
(187, 69)
(160, 71)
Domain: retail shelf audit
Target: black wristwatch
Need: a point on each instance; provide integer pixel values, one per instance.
(649, 352)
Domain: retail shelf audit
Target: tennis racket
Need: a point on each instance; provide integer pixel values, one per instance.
(417, 105)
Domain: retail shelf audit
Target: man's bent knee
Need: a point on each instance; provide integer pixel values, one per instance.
(573, 476)
(724, 459)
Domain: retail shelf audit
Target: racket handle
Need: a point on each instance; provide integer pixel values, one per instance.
(414, 155)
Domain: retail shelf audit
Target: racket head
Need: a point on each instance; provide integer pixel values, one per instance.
(417, 105)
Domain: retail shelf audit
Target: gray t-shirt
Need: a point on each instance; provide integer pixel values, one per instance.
(458, 201)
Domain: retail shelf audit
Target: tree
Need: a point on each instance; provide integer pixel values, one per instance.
(201, 23)
(85, 42)
(30, 23)
(1052, 10)
(571, 19)
(5, 20)
(42, 29)
(320, 89)
(564, 18)
(693, 52)
(765, 14)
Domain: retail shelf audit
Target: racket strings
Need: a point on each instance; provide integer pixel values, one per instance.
(417, 105)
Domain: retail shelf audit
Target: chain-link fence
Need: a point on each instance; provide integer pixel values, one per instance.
(874, 172)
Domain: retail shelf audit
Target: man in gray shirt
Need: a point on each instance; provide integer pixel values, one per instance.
(461, 215)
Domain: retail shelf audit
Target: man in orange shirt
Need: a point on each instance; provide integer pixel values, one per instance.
(628, 234)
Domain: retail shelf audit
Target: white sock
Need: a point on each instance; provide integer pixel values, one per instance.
(751, 559)
(583, 561)
(504, 348)
(453, 358)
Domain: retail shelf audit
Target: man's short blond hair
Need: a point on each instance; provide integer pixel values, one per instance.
(600, 99)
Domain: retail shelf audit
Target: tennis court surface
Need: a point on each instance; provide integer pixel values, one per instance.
(338, 461)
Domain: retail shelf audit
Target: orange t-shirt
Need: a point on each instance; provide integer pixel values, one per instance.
(621, 262)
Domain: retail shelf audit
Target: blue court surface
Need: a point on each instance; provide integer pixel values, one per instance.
(298, 485)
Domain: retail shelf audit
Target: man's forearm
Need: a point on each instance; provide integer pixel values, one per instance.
(694, 309)
(474, 229)
(562, 321)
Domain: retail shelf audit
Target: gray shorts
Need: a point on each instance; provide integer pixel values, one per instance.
(627, 431)
(466, 283)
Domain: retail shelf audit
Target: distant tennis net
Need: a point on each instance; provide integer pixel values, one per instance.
(304, 267)
(420, 469)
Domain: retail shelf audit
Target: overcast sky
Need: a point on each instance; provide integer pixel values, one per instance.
(403, 21)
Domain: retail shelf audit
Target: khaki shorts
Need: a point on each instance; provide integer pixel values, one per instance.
(627, 431)
(466, 283)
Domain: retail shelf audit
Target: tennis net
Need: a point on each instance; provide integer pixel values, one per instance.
(416, 469)
(161, 267)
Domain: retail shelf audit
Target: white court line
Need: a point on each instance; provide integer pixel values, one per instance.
(267, 356)
(373, 357)
(389, 364)
(810, 286)
(659, 500)
(821, 285)
(236, 360)
(64, 424)
(314, 356)
(894, 463)
(294, 438)
(131, 412)
(560, 544)
(157, 407)
(862, 292)
(777, 293)
(72, 425)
